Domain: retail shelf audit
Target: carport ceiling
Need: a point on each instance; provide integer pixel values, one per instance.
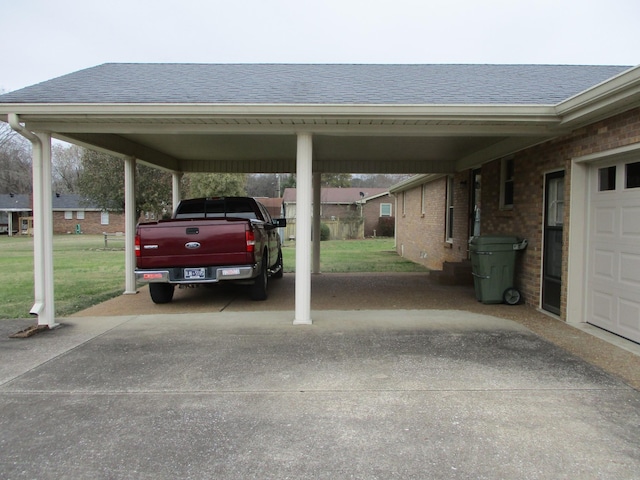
(364, 118)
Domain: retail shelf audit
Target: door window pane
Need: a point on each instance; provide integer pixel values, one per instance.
(606, 179)
(633, 175)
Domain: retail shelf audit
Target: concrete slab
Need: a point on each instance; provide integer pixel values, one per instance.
(368, 394)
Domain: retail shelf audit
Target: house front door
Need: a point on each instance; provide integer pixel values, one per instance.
(552, 259)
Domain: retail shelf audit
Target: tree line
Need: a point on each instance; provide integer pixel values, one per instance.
(99, 178)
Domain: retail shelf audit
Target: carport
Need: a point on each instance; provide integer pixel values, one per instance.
(302, 119)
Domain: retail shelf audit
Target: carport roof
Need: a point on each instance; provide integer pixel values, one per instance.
(363, 118)
(337, 84)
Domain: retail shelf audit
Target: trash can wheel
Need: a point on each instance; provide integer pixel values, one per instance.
(511, 296)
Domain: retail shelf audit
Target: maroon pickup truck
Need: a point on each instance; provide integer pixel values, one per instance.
(210, 240)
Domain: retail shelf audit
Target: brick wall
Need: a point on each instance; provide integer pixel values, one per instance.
(420, 237)
(371, 214)
(525, 220)
(90, 225)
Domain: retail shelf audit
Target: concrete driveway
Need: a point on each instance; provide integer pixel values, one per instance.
(437, 393)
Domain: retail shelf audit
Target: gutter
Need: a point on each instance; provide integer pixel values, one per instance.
(39, 306)
(14, 122)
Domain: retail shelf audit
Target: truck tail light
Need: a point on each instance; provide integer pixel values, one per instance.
(251, 241)
(137, 245)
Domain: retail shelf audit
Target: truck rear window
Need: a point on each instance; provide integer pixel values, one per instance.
(217, 208)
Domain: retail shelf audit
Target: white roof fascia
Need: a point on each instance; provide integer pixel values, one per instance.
(415, 181)
(373, 197)
(612, 96)
(503, 111)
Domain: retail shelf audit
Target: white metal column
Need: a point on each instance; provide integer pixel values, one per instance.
(130, 224)
(43, 228)
(175, 190)
(317, 188)
(304, 161)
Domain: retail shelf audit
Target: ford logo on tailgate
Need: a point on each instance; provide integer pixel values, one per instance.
(192, 245)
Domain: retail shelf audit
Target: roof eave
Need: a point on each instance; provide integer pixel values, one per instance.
(608, 98)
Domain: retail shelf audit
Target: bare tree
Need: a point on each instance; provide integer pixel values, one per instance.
(15, 162)
(66, 167)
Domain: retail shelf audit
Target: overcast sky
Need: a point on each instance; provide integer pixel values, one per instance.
(43, 39)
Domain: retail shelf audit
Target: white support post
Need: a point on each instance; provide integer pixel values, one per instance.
(176, 194)
(44, 306)
(130, 224)
(317, 199)
(304, 161)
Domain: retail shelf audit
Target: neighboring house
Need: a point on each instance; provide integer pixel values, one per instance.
(71, 214)
(576, 199)
(74, 214)
(273, 205)
(349, 212)
(13, 208)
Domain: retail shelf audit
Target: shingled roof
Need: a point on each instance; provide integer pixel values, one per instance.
(339, 84)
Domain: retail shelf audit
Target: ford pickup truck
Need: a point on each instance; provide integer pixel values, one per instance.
(210, 240)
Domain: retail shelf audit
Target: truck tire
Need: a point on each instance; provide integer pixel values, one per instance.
(279, 269)
(259, 287)
(161, 292)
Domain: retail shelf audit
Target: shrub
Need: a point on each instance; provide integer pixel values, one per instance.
(386, 227)
(325, 232)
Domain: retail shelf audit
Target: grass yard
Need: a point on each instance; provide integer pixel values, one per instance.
(86, 274)
(344, 256)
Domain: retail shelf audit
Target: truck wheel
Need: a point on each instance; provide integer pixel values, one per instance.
(279, 266)
(161, 292)
(259, 287)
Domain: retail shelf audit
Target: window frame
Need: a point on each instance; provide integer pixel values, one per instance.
(507, 182)
(449, 210)
(390, 205)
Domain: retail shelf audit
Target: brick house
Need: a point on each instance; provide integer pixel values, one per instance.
(71, 214)
(349, 212)
(550, 153)
(593, 225)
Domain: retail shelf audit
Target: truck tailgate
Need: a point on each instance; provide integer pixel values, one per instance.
(189, 243)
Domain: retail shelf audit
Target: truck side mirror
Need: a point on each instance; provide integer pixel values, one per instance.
(280, 222)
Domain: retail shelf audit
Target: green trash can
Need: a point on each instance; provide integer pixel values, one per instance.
(493, 261)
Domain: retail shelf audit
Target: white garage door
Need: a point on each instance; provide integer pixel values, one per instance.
(613, 296)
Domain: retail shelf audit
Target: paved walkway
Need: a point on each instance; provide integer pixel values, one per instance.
(234, 393)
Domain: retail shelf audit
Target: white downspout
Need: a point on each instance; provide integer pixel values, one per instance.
(44, 305)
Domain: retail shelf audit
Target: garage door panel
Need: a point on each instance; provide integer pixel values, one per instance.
(604, 224)
(603, 263)
(630, 269)
(630, 224)
(602, 307)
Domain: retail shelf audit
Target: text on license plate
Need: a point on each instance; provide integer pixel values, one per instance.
(194, 273)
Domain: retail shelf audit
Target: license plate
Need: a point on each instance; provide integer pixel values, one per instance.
(194, 273)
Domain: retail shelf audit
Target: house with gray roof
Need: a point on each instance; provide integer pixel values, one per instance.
(71, 213)
(13, 207)
(348, 212)
(543, 152)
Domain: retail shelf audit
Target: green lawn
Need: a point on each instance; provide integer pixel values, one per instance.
(85, 273)
(343, 256)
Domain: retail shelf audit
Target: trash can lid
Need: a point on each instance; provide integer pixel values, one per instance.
(492, 240)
